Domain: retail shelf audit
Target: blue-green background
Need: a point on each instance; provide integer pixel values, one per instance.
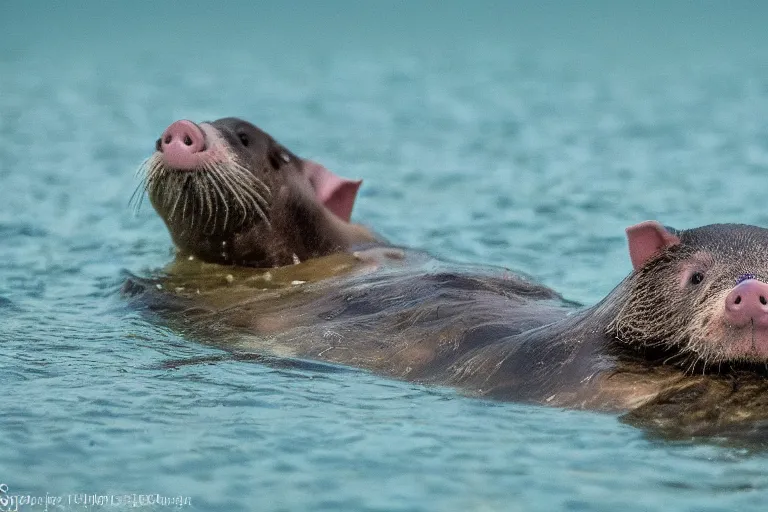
(527, 135)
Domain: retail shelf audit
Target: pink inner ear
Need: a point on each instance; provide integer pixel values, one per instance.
(336, 193)
(646, 240)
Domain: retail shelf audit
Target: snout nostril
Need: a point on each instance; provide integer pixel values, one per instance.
(763, 301)
(737, 300)
(182, 145)
(158, 144)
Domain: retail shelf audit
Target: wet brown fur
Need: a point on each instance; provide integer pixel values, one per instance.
(252, 206)
(681, 322)
(488, 332)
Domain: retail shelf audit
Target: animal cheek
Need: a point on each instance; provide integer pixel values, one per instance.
(714, 334)
(721, 337)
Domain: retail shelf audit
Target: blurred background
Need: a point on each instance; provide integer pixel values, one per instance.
(508, 133)
(521, 134)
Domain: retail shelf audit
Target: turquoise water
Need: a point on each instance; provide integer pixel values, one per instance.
(507, 134)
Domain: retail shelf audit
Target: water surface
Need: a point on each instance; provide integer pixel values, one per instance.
(505, 134)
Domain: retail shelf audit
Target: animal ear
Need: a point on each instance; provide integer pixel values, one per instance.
(647, 240)
(334, 192)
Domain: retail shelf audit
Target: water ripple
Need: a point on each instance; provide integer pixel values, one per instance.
(507, 141)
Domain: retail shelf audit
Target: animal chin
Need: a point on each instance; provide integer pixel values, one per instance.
(748, 343)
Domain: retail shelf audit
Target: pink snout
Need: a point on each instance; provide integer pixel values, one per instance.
(747, 303)
(182, 145)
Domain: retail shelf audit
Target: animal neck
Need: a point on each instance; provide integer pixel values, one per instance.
(587, 326)
(347, 234)
(544, 362)
(301, 230)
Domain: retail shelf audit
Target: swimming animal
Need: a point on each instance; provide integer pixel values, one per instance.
(230, 194)
(680, 345)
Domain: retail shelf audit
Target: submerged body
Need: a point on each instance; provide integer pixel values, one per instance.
(682, 343)
(485, 331)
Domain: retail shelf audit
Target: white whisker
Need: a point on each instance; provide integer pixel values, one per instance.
(199, 196)
(179, 193)
(226, 182)
(211, 177)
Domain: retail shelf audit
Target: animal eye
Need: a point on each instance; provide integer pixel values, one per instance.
(243, 138)
(697, 278)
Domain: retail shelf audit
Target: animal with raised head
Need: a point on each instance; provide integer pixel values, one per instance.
(230, 194)
(681, 344)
